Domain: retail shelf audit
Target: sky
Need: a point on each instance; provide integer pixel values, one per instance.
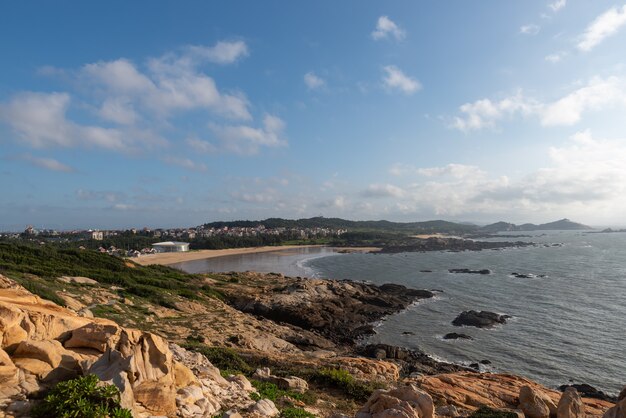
(160, 113)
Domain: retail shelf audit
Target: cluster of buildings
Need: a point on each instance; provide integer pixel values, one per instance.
(260, 230)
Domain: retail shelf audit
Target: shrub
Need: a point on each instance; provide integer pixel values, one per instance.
(82, 398)
(341, 379)
(486, 412)
(295, 413)
(225, 359)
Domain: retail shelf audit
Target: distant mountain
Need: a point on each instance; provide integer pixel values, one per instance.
(338, 223)
(561, 225)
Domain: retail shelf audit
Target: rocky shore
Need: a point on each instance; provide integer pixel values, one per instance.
(449, 244)
(298, 336)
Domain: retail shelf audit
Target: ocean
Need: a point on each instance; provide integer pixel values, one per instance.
(568, 326)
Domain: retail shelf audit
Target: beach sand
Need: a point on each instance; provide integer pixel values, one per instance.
(173, 258)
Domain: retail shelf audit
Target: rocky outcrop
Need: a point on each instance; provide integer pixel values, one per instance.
(411, 361)
(406, 402)
(570, 405)
(619, 410)
(341, 311)
(468, 391)
(448, 244)
(482, 319)
(534, 404)
(292, 383)
(589, 391)
(42, 344)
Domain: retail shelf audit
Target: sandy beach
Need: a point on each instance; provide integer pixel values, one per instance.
(173, 258)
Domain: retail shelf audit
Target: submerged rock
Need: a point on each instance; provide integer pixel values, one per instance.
(482, 319)
(455, 336)
(469, 271)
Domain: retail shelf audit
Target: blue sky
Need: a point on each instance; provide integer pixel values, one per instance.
(154, 114)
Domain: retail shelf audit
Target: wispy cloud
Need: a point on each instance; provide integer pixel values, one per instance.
(530, 29)
(557, 5)
(605, 25)
(556, 57)
(378, 190)
(223, 52)
(46, 163)
(485, 113)
(395, 79)
(387, 28)
(313, 81)
(185, 163)
(244, 139)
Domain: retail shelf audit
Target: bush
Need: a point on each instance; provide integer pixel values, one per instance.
(486, 412)
(225, 359)
(295, 413)
(82, 398)
(341, 379)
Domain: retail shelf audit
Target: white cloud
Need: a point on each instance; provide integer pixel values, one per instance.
(584, 179)
(223, 52)
(396, 79)
(605, 25)
(244, 139)
(382, 190)
(47, 163)
(530, 29)
(313, 81)
(39, 120)
(596, 95)
(386, 28)
(202, 146)
(557, 5)
(556, 57)
(172, 85)
(484, 113)
(185, 163)
(118, 110)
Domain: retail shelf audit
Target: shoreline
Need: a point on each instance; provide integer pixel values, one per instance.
(174, 258)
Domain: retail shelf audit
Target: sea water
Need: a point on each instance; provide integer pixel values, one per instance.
(567, 326)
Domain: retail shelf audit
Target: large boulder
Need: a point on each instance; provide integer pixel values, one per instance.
(482, 319)
(406, 402)
(532, 403)
(619, 410)
(293, 383)
(264, 408)
(570, 405)
(100, 337)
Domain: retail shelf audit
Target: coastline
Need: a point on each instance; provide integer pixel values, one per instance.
(173, 258)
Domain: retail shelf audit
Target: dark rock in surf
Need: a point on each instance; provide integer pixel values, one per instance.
(455, 336)
(482, 319)
(589, 391)
(469, 271)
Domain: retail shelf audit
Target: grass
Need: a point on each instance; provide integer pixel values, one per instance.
(295, 413)
(157, 284)
(225, 359)
(348, 384)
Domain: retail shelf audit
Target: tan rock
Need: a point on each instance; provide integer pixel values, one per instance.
(570, 405)
(100, 337)
(469, 390)
(158, 397)
(183, 376)
(33, 366)
(50, 351)
(77, 280)
(532, 403)
(407, 401)
(264, 408)
(619, 410)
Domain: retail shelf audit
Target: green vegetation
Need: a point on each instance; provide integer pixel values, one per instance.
(344, 381)
(337, 223)
(295, 413)
(82, 398)
(225, 359)
(157, 284)
(486, 412)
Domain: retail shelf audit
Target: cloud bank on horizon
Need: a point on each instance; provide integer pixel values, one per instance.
(385, 113)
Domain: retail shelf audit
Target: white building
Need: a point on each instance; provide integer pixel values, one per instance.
(171, 247)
